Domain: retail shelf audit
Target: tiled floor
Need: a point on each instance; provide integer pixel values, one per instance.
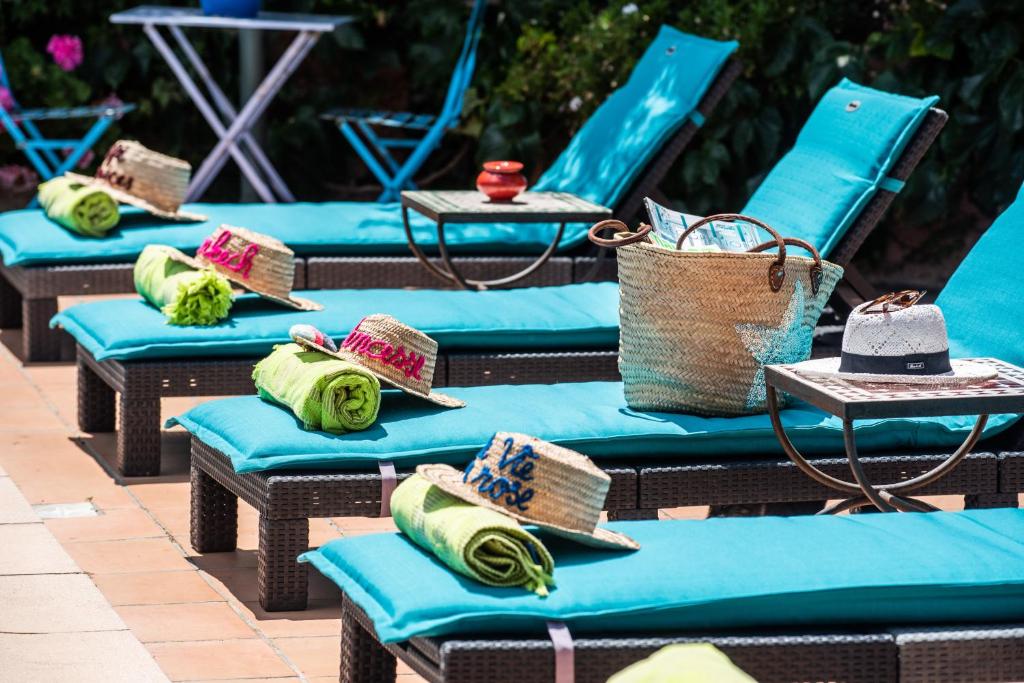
(196, 615)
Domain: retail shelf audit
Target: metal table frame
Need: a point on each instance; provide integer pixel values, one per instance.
(849, 401)
(233, 127)
(460, 206)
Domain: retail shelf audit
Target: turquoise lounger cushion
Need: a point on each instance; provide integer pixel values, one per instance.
(28, 237)
(589, 416)
(840, 159)
(983, 302)
(600, 163)
(878, 570)
(621, 138)
(581, 316)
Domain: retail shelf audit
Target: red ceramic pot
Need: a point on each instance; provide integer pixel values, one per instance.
(501, 180)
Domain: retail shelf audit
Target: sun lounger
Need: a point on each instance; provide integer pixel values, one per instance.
(540, 334)
(145, 360)
(41, 261)
(863, 598)
(244, 447)
(657, 460)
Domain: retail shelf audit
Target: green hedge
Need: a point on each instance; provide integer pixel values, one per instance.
(546, 64)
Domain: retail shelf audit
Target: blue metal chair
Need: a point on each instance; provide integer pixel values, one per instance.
(52, 158)
(423, 132)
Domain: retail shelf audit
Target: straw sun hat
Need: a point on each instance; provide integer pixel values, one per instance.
(395, 353)
(259, 263)
(535, 482)
(133, 174)
(892, 341)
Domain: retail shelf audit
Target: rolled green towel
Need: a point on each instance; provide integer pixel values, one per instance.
(325, 393)
(477, 542)
(684, 663)
(185, 295)
(79, 208)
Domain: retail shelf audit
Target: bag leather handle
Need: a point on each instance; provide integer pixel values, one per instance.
(619, 227)
(777, 269)
(816, 272)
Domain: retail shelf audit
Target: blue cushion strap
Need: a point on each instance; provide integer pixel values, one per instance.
(696, 118)
(890, 184)
(561, 639)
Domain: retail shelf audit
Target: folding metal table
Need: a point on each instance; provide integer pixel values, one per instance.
(231, 126)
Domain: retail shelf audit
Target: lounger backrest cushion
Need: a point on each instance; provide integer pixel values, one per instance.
(983, 302)
(619, 140)
(591, 417)
(710, 575)
(581, 316)
(841, 157)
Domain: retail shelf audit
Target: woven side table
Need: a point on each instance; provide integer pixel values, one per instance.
(851, 401)
(460, 206)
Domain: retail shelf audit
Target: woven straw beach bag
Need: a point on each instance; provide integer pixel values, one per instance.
(697, 328)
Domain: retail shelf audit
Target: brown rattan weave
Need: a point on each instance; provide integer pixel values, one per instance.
(287, 500)
(979, 654)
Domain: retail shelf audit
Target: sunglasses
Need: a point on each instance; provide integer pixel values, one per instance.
(894, 301)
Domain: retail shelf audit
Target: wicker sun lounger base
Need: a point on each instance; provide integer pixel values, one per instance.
(133, 389)
(286, 501)
(960, 654)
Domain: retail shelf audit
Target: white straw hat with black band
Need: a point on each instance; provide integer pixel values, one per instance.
(892, 341)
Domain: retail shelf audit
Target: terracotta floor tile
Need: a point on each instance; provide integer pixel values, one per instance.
(155, 496)
(189, 621)
(112, 525)
(238, 559)
(37, 551)
(104, 657)
(354, 526)
(117, 557)
(315, 656)
(289, 679)
(692, 512)
(155, 588)
(218, 659)
(32, 416)
(54, 603)
(239, 583)
(321, 618)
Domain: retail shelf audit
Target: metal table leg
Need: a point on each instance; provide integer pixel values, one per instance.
(449, 273)
(251, 111)
(211, 117)
(227, 110)
(885, 497)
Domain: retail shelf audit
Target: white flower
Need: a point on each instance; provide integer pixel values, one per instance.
(842, 61)
(631, 8)
(575, 103)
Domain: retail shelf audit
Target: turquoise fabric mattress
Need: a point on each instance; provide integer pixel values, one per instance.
(591, 417)
(707, 575)
(573, 317)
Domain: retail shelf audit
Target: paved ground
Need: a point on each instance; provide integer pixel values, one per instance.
(80, 593)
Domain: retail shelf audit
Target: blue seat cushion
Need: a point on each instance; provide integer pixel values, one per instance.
(840, 159)
(983, 301)
(581, 316)
(591, 417)
(28, 237)
(877, 570)
(623, 135)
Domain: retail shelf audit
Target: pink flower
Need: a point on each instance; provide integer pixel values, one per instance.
(66, 51)
(6, 101)
(16, 179)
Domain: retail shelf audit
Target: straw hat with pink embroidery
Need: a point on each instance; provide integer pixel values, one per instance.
(259, 263)
(133, 174)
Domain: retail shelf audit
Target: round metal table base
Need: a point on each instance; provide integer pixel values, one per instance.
(862, 492)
